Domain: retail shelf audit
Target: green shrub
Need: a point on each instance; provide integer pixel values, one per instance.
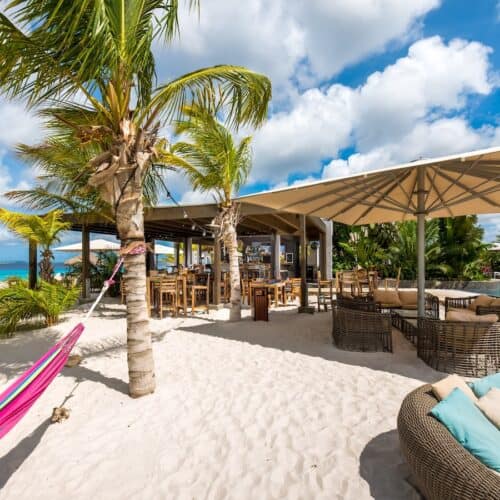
(18, 303)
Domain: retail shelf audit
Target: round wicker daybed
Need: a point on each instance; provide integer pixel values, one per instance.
(441, 467)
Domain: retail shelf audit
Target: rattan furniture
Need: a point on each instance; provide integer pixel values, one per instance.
(464, 303)
(441, 467)
(361, 329)
(468, 348)
(325, 293)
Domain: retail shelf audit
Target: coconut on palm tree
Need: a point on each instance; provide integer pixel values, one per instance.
(215, 163)
(88, 67)
(44, 231)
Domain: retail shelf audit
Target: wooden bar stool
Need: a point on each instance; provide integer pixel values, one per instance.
(167, 292)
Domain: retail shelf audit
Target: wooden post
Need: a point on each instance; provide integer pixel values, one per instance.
(32, 269)
(304, 298)
(217, 271)
(150, 256)
(85, 262)
(177, 253)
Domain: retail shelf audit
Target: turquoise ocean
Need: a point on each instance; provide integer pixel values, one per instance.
(20, 270)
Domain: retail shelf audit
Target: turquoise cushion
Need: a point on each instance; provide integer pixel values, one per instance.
(470, 427)
(483, 385)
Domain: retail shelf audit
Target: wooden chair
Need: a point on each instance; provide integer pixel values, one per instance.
(182, 294)
(245, 290)
(200, 291)
(348, 283)
(167, 294)
(294, 290)
(325, 293)
(392, 282)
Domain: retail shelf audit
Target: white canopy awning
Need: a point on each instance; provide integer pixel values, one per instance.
(97, 245)
(164, 249)
(463, 184)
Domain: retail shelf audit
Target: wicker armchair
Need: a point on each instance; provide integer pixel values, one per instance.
(365, 303)
(441, 467)
(355, 329)
(471, 349)
(465, 302)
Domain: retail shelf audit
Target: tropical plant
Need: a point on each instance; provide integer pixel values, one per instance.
(364, 249)
(213, 162)
(89, 69)
(19, 303)
(42, 230)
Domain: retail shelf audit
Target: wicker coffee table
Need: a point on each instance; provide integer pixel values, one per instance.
(405, 320)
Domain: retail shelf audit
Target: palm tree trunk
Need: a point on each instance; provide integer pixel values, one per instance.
(130, 225)
(234, 274)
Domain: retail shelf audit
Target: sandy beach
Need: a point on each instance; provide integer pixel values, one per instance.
(247, 410)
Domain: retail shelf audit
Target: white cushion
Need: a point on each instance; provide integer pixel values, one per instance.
(489, 404)
(444, 387)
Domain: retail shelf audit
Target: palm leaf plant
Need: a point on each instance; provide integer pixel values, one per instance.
(215, 163)
(88, 67)
(42, 230)
(18, 303)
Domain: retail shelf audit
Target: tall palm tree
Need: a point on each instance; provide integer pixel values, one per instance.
(215, 163)
(44, 231)
(88, 67)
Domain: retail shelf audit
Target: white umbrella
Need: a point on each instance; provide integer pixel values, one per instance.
(77, 259)
(98, 245)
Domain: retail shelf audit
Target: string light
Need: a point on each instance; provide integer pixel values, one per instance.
(185, 215)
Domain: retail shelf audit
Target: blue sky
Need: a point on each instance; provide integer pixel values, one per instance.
(357, 85)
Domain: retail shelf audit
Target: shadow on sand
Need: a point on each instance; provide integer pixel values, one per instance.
(10, 462)
(311, 335)
(383, 467)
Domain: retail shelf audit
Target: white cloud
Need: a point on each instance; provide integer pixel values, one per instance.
(8, 183)
(285, 38)
(192, 197)
(491, 225)
(397, 115)
(17, 124)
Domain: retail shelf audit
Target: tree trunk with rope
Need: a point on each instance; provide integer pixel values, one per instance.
(119, 177)
(229, 222)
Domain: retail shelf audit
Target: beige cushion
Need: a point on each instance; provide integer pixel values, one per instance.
(469, 316)
(408, 299)
(490, 405)
(481, 300)
(388, 298)
(444, 387)
(495, 302)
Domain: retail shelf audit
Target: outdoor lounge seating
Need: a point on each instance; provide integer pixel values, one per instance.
(468, 348)
(359, 326)
(473, 305)
(441, 467)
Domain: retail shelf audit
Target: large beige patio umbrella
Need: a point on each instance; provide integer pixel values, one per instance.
(463, 184)
(97, 245)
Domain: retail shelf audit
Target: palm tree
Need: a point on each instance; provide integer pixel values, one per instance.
(214, 163)
(44, 231)
(88, 67)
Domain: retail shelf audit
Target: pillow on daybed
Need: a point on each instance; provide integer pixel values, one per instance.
(495, 303)
(470, 428)
(490, 406)
(465, 315)
(388, 298)
(482, 386)
(480, 300)
(408, 299)
(445, 387)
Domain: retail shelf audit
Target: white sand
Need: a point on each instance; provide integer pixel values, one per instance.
(242, 410)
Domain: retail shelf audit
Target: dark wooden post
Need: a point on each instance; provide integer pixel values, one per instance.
(275, 253)
(85, 262)
(304, 298)
(150, 255)
(32, 269)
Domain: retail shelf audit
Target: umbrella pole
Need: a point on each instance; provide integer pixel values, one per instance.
(421, 240)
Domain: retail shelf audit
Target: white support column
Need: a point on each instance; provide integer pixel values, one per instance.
(276, 256)
(304, 299)
(327, 271)
(188, 252)
(421, 240)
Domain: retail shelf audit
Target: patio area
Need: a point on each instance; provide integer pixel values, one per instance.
(253, 409)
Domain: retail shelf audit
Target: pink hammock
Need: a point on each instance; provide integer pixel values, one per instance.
(20, 396)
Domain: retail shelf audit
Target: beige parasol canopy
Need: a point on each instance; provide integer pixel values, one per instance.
(462, 184)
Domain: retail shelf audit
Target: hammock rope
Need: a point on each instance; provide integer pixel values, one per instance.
(19, 397)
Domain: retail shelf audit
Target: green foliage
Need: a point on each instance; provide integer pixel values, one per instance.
(212, 161)
(18, 303)
(42, 230)
(453, 248)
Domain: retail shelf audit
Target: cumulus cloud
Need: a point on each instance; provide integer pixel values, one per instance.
(398, 114)
(17, 124)
(289, 38)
